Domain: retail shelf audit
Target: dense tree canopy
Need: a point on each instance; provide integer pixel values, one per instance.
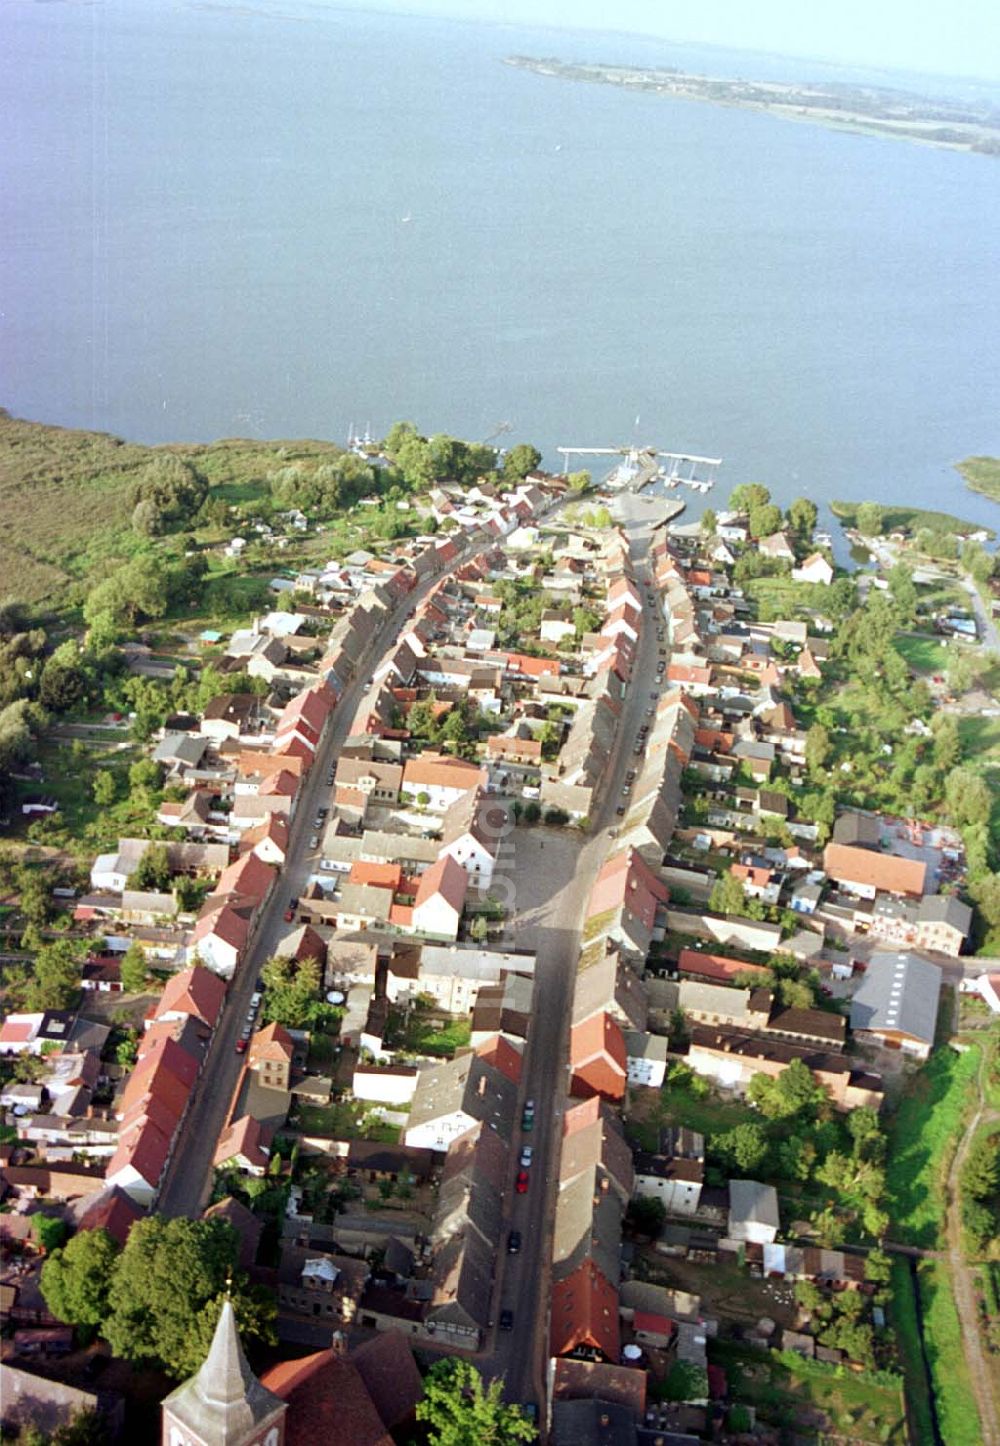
(76, 1280)
(459, 1410)
(520, 460)
(55, 976)
(293, 991)
(167, 1288)
(793, 1092)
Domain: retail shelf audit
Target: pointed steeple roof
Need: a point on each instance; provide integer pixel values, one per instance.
(224, 1404)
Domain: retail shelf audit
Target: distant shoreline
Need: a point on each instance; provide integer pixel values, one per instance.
(858, 109)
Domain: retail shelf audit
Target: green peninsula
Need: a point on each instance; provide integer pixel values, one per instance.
(867, 109)
(982, 474)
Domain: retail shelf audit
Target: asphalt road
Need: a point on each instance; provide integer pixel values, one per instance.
(554, 871)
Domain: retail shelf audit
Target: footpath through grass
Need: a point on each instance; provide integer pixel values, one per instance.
(922, 1138)
(958, 1417)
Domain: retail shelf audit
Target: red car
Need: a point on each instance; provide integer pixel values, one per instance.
(241, 1045)
(522, 1182)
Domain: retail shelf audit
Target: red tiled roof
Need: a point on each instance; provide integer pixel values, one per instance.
(145, 1148)
(647, 1320)
(195, 991)
(285, 782)
(447, 878)
(390, 1374)
(249, 876)
(627, 881)
(681, 673)
(532, 667)
(598, 1057)
(875, 870)
(502, 1054)
(273, 829)
(380, 876)
(225, 923)
(714, 966)
(327, 1402)
(114, 1211)
(245, 1139)
(254, 762)
(14, 1032)
(271, 1042)
(585, 1313)
(439, 769)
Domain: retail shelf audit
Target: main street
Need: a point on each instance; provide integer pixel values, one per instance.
(554, 871)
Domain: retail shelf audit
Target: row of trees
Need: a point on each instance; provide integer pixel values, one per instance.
(764, 517)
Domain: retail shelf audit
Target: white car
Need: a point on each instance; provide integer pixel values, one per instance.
(527, 1155)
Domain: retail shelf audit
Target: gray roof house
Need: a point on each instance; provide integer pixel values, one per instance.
(753, 1211)
(896, 1003)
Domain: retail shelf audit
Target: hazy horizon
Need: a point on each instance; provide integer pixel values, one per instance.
(949, 46)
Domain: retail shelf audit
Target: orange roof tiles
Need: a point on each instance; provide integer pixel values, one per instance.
(875, 870)
(585, 1313)
(447, 878)
(598, 1059)
(627, 881)
(271, 1042)
(380, 876)
(718, 967)
(441, 770)
(195, 991)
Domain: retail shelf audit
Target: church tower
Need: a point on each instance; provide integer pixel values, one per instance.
(224, 1404)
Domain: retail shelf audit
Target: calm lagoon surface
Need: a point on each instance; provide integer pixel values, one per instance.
(277, 221)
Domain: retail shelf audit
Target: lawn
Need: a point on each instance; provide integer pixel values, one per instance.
(82, 826)
(710, 1114)
(922, 1135)
(906, 1328)
(980, 739)
(923, 654)
(344, 1119)
(426, 1035)
(790, 1394)
(956, 1407)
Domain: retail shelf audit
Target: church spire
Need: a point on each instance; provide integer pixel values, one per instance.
(224, 1404)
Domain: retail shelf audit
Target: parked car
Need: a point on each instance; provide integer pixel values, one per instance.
(620, 811)
(255, 1000)
(506, 1320)
(527, 1155)
(521, 1183)
(514, 1242)
(241, 1046)
(314, 842)
(322, 812)
(290, 911)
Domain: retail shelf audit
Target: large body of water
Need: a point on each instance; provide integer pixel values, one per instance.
(225, 222)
